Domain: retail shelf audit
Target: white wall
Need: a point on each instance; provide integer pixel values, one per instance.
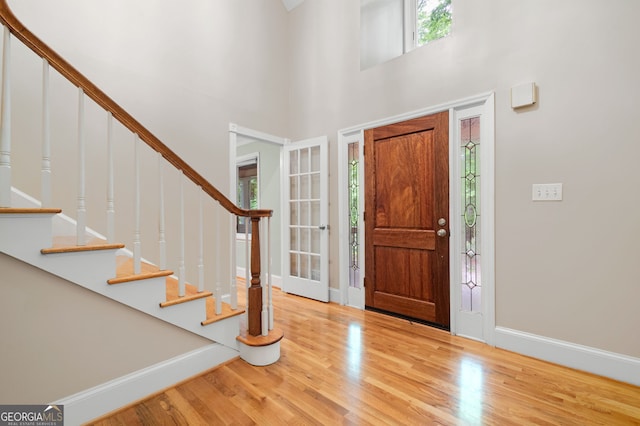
(381, 31)
(563, 270)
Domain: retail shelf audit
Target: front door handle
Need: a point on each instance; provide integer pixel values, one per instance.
(442, 232)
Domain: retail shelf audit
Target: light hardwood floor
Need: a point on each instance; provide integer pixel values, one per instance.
(340, 365)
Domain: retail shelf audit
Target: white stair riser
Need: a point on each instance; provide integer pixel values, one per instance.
(185, 314)
(224, 331)
(143, 295)
(190, 315)
(90, 269)
(23, 236)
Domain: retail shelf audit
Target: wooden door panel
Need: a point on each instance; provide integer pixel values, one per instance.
(410, 126)
(406, 192)
(406, 306)
(401, 272)
(407, 238)
(398, 187)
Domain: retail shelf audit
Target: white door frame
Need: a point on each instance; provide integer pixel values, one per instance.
(348, 295)
(237, 132)
(486, 103)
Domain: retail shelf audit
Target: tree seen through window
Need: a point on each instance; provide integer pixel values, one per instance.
(433, 20)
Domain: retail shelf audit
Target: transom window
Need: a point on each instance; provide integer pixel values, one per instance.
(432, 20)
(390, 28)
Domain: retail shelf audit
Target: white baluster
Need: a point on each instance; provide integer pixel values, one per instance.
(162, 243)
(269, 274)
(181, 268)
(5, 123)
(201, 244)
(234, 284)
(111, 212)
(218, 288)
(45, 192)
(137, 244)
(81, 219)
(264, 314)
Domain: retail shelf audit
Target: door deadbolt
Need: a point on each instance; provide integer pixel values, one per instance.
(442, 221)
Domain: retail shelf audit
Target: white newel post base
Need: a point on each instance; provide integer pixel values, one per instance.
(260, 350)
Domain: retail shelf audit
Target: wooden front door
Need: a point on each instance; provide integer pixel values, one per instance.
(407, 218)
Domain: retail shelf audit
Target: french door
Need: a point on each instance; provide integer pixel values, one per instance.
(306, 230)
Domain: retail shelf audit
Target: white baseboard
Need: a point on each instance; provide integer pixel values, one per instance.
(107, 397)
(603, 363)
(334, 295)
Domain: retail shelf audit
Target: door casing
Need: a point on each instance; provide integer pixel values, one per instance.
(485, 104)
(237, 134)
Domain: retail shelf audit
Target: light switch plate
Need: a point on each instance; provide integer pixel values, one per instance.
(546, 192)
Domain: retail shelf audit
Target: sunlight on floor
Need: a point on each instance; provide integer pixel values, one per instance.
(354, 350)
(471, 384)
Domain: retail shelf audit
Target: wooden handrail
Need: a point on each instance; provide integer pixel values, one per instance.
(92, 91)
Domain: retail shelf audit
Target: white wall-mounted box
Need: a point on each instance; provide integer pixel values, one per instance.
(523, 95)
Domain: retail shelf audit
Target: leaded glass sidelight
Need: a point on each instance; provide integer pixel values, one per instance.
(354, 191)
(470, 220)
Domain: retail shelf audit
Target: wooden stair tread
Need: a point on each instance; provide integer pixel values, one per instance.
(274, 336)
(21, 210)
(227, 312)
(124, 271)
(191, 293)
(67, 244)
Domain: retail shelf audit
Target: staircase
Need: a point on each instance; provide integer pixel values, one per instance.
(41, 234)
(108, 269)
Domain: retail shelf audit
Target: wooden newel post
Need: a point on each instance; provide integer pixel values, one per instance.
(255, 290)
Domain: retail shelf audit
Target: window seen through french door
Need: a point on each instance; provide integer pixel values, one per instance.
(247, 193)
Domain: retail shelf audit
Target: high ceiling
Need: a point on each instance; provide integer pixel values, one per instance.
(290, 4)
